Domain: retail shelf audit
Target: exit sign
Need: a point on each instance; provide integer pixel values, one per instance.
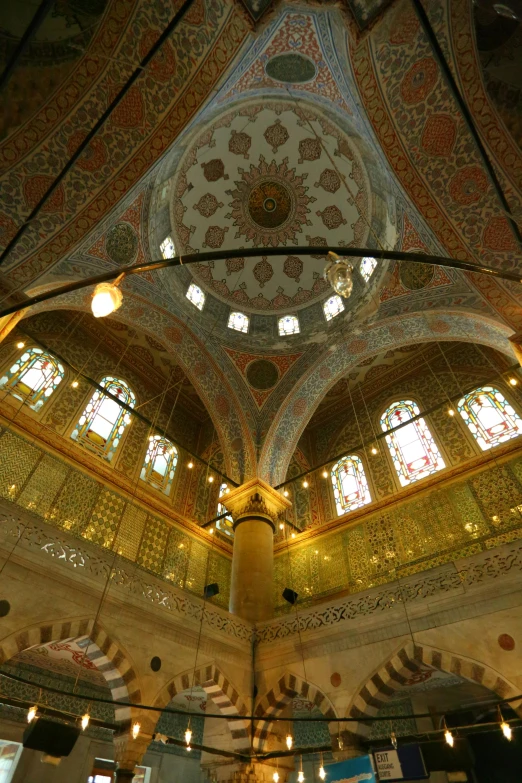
(405, 763)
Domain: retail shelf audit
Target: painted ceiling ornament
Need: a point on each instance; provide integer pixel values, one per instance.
(269, 204)
(338, 272)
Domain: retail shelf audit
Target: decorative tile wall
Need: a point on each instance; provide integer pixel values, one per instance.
(468, 515)
(69, 499)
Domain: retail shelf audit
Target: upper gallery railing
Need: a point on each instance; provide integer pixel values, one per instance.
(72, 500)
(458, 517)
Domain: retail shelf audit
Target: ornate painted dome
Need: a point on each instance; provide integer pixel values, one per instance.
(269, 174)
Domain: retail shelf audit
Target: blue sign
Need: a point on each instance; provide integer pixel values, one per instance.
(405, 763)
(358, 770)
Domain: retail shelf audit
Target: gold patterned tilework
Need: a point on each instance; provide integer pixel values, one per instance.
(71, 500)
(153, 544)
(410, 536)
(17, 460)
(129, 535)
(43, 485)
(74, 505)
(105, 519)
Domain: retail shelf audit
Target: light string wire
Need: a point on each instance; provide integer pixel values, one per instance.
(351, 196)
(380, 436)
(499, 373)
(486, 705)
(115, 539)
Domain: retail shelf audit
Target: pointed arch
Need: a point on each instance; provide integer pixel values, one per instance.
(33, 376)
(397, 670)
(215, 384)
(489, 416)
(103, 651)
(287, 688)
(333, 364)
(221, 691)
(412, 447)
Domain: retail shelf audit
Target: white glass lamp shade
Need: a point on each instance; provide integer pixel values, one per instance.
(106, 298)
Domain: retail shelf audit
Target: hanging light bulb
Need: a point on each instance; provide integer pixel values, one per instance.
(106, 298)
(448, 736)
(286, 493)
(289, 741)
(31, 714)
(275, 777)
(393, 740)
(305, 484)
(136, 729)
(300, 774)
(188, 735)
(189, 748)
(325, 474)
(322, 773)
(74, 384)
(506, 728)
(338, 273)
(210, 479)
(374, 450)
(513, 381)
(190, 465)
(85, 721)
(451, 412)
(22, 345)
(211, 531)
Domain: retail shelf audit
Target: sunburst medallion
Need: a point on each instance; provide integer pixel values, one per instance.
(269, 205)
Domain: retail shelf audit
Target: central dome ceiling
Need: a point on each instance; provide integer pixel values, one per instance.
(270, 174)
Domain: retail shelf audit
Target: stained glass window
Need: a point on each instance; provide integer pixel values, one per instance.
(103, 421)
(288, 324)
(332, 307)
(239, 322)
(367, 267)
(225, 524)
(412, 448)
(167, 248)
(349, 484)
(490, 417)
(33, 377)
(196, 296)
(160, 463)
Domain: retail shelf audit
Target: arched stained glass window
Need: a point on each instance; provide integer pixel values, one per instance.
(160, 463)
(225, 524)
(103, 421)
(367, 267)
(349, 484)
(33, 377)
(490, 417)
(288, 324)
(412, 448)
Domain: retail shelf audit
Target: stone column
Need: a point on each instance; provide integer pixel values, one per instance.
(255, 507)
(128, 752)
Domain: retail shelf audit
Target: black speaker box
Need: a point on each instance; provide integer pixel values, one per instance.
(211, 590)
(55, 739)
(290, 595)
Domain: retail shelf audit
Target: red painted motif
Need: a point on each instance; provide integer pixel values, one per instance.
(506, 642)
(419, 80)
(34, 189)
(439, 134)
(297, 34)
(498, 235)
(468, 185)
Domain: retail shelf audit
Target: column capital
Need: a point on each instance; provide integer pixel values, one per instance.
(256, 500)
